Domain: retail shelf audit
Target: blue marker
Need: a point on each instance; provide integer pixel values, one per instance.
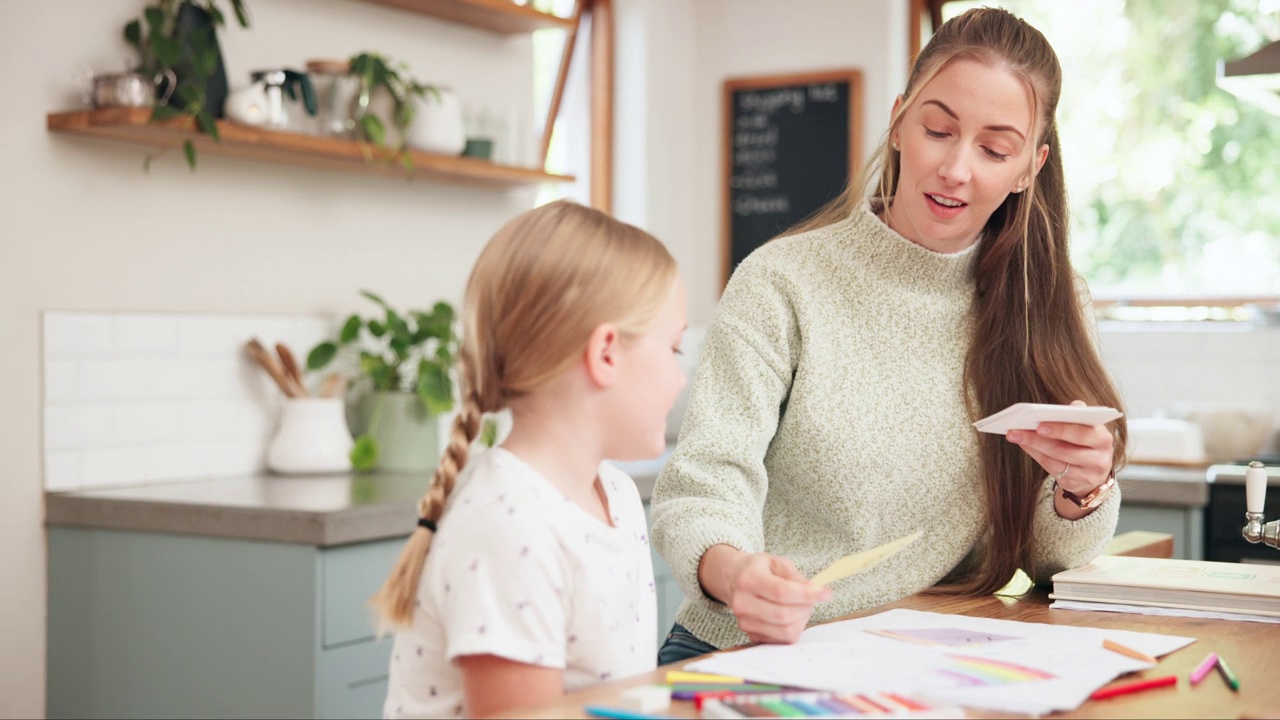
(602, 711)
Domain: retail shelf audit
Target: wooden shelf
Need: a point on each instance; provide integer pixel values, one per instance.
(239, 141)
(499, 16)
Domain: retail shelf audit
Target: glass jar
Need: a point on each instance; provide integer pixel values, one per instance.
(336, 89)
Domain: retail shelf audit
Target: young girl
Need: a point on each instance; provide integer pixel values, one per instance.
(539, 579)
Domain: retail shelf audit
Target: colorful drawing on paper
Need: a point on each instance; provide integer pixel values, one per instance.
(954, 637)
(976, 672)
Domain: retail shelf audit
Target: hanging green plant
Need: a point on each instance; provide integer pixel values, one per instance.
(377, 71)
(181, 37)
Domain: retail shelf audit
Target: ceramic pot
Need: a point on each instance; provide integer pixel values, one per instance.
(437, 123)
(312, 438)
(407, 435)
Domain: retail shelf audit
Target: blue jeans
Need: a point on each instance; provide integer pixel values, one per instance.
(682, 645)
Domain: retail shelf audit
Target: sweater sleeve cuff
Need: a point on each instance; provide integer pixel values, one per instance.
(1061, 543)
(695, 545)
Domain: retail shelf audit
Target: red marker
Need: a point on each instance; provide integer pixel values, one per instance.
(1133, 687)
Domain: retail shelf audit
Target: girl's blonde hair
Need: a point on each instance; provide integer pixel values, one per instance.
(540, 287)
(1031, 340)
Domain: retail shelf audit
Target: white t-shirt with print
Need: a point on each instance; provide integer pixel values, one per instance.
(519, 571)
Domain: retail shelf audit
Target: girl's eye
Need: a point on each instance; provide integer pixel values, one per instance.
(676, 350)
(995, 155)
(934, 133)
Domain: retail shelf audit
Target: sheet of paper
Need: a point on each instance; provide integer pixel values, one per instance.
(1028, 416)
(996, 665)
(857, 562)
(1163, 611)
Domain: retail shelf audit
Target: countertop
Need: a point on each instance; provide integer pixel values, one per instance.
(1163, 485)
(322, 510)
(341, 509)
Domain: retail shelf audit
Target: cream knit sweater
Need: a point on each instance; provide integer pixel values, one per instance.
(827, 417)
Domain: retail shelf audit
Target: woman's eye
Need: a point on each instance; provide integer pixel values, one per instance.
(995, 155)
(934, 133)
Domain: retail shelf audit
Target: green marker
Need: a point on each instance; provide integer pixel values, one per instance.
(1233, 682)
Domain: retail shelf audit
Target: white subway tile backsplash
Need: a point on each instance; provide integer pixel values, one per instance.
(146, 335)
(146, 423)
(113, 379)
(113, 466)
(209, 335)
(68, 335)
(177, 462)
(132, 397)
(61, 381)
(61, 471)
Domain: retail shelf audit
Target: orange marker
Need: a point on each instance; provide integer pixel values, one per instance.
(1114, 646)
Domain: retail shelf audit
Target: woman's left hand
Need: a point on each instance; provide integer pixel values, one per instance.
(1078, 456)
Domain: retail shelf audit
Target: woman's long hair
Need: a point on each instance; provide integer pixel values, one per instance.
(1031, 341)
(540, 287)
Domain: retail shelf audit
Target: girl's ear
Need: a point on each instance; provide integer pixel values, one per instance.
(602, 355)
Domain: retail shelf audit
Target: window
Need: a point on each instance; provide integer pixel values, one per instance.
(1172, 180)
(569, 152)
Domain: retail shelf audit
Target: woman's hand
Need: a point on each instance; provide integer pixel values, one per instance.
(1079, 457)
(770, 598)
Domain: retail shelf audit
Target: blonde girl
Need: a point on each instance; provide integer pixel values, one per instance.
(529, 574)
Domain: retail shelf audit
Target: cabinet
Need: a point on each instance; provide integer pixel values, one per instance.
(499, 16)
(154, 625)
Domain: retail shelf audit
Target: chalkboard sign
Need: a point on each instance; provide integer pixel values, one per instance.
(790, 144)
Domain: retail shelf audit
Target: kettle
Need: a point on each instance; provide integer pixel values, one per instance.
(261, 103)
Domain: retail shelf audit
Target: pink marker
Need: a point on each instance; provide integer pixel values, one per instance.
(1203, 668)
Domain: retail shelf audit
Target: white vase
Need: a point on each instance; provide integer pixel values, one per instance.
(312, 437)
(437, 123)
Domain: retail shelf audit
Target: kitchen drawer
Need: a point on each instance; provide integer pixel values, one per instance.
(352, 680)
(350, 575)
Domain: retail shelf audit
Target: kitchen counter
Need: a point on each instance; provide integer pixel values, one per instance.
(323, 510)
(1164, 485)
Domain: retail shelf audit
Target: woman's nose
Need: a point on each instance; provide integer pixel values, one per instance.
(955, 168)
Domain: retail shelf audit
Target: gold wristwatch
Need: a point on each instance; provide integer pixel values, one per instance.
(1094, 498)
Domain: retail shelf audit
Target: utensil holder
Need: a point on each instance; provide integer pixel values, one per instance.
(312, 437)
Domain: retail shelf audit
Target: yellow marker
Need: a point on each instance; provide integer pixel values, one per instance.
(857, 562)
(679, 676)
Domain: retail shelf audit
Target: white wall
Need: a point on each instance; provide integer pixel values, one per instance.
(673, 58)
(86, 229)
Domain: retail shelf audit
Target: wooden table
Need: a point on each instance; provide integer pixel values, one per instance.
(1252, 649)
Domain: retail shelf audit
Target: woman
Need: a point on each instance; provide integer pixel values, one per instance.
(833, 403)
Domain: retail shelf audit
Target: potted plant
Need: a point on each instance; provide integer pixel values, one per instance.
(182, 37)
(405, 361)
(375, 72)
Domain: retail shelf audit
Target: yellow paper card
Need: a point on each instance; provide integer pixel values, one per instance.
(857, 562)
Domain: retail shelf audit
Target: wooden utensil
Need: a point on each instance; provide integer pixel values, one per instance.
(291, 367)
(273, 368)
(334, 386)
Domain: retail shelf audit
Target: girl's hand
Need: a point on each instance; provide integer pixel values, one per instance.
(771, 599)
(1079, 457)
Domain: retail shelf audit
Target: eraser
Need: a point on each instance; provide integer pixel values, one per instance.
(646, 698)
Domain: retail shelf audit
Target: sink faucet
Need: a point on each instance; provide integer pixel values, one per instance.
(1255, 495)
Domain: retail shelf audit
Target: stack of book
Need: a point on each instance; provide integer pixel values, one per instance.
(1184, 584)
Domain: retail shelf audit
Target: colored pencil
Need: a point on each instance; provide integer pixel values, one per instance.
(1233, 682)
(1203, 668)
(1133, 687)
(1114, 646)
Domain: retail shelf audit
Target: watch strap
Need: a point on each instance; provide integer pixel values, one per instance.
(1094, 497)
